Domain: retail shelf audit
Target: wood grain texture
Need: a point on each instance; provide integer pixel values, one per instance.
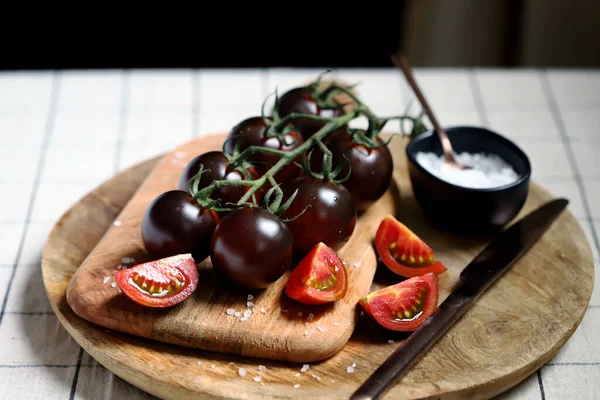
(515, 327)
(286, 331)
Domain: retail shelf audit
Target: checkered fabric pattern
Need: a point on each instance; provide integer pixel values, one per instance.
(64, 132)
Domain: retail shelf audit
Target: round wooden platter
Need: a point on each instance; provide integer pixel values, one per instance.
(515, 327)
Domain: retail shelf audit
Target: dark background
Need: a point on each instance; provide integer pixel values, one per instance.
(209, 34)
(229, 35)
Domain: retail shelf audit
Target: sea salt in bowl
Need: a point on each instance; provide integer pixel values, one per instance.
(480, 201)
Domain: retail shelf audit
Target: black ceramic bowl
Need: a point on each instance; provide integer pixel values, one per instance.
(463, 210)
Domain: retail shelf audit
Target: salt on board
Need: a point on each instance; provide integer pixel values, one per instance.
(487, 170)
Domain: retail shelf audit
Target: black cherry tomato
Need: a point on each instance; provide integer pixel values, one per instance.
(174, 223)
(371, 169)
(403, 252)
(327, 213)
(251, 247)
(403, 307)
(159, 283)
(216, 167)
(299, 100)
(319, 278)
(253, 132)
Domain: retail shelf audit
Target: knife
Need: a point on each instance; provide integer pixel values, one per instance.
(475, 279)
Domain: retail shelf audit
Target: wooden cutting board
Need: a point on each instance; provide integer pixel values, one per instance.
(511, 331)
(287, 330)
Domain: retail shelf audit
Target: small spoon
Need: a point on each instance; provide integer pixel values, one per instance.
(450, 162)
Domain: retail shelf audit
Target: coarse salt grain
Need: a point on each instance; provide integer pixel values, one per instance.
(391, 341)
(230, 311)
(250, 297)
(250, 304)
(353, 365)
(119, 266)
(296, 386)
(300, 314)
(297, 374)
(247, 313)
(310, 316)
(231, 363)
(262, 368)
(127, 260)
(305, 368)
(309, 332)
(117, 223)
(336, 323)
(257, 378)
(242, 371)
(199, 363)
(263, 310)
(238, 314)
(243, 319)
(212, 365)
(487, 170)
(350, 369)
(106, 279)
(321, 328)
(114, 284)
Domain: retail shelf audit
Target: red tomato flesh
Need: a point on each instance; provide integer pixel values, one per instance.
(403, 252)
(403, 307)
(159, 283)
(319, 278)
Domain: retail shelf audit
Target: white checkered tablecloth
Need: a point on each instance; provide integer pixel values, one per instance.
(62, 133)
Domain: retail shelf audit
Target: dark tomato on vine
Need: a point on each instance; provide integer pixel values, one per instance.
(251, 247)
(319, 278)
(371, 169)
(403, 307)
(159, 283)
(325, 213)
(174, 223)
(253, 132)
(216, 167)
(299, 100)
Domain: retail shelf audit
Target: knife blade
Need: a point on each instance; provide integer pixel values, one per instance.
(491, 263)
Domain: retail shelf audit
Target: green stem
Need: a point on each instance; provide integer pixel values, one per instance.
(335, 86)
(243, 156)
(327, 160)
(373, 128)
(333, 124)
(292, 116)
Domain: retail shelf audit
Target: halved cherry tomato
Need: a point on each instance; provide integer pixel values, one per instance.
(403, 307)
(319, 278)
(403, 252)
(159, 283)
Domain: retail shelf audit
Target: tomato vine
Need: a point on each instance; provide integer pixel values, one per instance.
(278, 127)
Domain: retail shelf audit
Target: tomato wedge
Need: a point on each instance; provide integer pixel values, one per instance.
(403, 307)
(319, 278)
(159, 283)
(403, 252)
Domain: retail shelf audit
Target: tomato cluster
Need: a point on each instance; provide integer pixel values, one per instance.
(278, 188)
